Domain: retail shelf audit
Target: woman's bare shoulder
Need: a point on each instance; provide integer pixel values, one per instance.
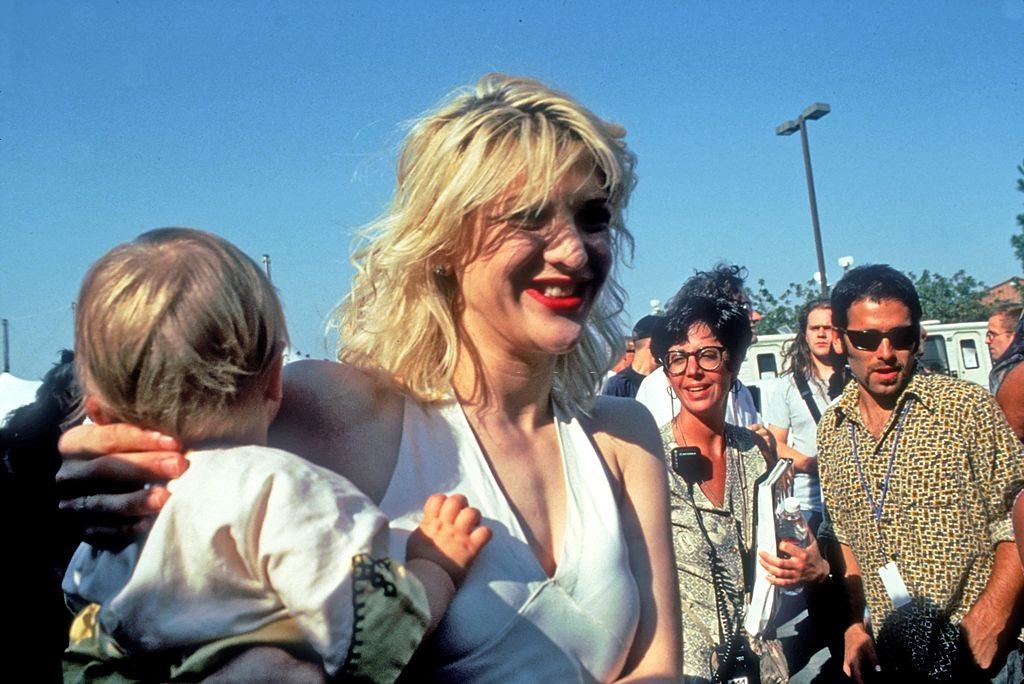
(624, 430)
(335, 415)
(623, 419)
(330, 384)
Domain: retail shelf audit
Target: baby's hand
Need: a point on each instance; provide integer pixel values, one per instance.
(450, 535)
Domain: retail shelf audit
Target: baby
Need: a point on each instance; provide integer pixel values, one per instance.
(180, 332)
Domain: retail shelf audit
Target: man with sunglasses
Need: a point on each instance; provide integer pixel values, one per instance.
(913, 470)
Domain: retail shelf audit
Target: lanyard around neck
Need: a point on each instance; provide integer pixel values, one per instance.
(878, 507)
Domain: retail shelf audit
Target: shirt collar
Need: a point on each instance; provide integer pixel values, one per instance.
(847, 407)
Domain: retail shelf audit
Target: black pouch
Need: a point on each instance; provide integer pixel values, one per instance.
(737, 664)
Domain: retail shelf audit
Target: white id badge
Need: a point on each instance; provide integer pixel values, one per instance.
(894, 585)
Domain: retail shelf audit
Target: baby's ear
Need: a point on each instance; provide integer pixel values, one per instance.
(273, 390)
(97, 412)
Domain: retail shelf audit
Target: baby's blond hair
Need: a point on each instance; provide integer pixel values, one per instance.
(506, 132)
(178, 331)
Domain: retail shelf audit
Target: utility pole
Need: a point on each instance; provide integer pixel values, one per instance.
(266, 266)
(7, 351)
(815, 111)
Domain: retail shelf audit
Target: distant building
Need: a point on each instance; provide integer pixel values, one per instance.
(1006, 291)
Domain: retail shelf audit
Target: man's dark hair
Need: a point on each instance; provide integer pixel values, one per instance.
(646, 327)
(726, 319)
(875, 282)
(724, 280)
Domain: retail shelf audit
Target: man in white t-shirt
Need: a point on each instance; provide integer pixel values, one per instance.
(794, 403)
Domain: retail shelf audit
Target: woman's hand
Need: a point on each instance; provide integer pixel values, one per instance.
(804, 565)
(109, 481)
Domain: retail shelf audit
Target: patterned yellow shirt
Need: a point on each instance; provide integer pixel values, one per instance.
(944, 512)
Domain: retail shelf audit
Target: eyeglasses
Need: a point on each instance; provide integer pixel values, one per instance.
(902, 338)
(708, 358)
(991, 334)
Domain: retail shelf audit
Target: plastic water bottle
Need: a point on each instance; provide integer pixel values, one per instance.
(792, 526)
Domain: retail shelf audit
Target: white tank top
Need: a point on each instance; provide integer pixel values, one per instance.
(510, 622)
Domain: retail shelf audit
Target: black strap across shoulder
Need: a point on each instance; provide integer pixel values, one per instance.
(805, 391)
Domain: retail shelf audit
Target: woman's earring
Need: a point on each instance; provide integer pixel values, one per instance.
(442, 271)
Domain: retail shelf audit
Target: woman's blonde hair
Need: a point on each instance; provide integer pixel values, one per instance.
(506, 133)
(177, 331)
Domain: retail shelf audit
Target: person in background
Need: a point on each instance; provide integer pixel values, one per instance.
(794, 403)
(625, 359)
(1006, 349)
(792, 407)
(627, 381)
(35, 537)
(914, 469)
(1001, 326)
(722, 281)
(1005, 339)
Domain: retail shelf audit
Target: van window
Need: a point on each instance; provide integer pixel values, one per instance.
(969, 354)
(935, 358)
(766, 367)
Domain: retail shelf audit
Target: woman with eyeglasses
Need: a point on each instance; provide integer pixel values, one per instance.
(712, 469)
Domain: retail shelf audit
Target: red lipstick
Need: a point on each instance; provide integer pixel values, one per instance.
(565, 303)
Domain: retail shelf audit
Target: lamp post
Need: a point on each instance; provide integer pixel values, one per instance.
(815, 111)
(7, 350)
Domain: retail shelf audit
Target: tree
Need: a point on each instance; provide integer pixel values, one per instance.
(956, 299)
(953, 299)
(1018, 240)
(779, 314)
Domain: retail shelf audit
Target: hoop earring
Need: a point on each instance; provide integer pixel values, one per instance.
(672, 402)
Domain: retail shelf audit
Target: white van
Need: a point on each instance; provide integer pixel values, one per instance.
(957, 349)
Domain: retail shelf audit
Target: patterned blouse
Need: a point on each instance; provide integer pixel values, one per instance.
(729, 527)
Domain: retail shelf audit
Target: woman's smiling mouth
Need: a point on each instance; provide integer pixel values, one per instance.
(561, 295)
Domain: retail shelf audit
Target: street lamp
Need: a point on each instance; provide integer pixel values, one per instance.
(815, 111)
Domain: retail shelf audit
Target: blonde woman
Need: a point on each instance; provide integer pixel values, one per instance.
(479, 320)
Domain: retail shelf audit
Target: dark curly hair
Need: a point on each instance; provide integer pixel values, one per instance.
(722, 280)
(726, 319)
(875, 282)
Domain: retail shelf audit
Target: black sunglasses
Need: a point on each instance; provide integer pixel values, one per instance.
(902, 338)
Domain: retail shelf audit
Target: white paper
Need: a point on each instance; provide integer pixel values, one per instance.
(768, 493)
(894, 584)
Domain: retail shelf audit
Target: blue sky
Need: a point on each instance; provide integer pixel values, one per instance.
(275, 124)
